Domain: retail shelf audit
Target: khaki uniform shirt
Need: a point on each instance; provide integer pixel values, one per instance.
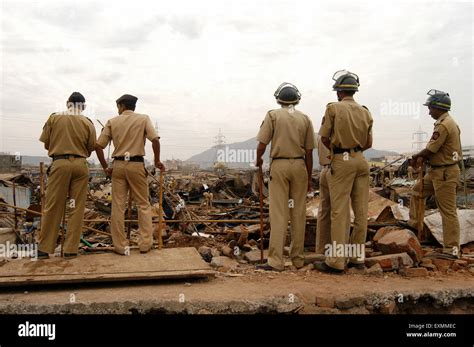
(324, 153)
(445, 142)
(347, 124)
(291, 133)
(65, 133)
(128, 131)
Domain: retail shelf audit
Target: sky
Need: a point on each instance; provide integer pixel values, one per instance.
(200, 66)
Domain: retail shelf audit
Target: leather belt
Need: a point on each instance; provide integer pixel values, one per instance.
(338, 150)
(276, 158)
(137, 158)
(66, 156)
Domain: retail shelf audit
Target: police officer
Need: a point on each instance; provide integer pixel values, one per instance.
(443, 153)
(346, 130)
(69, 138)
(323, 226)
(128, 131)
(292, 136)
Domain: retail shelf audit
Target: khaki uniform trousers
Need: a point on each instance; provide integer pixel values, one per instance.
(68, 177)
(348, 185)
(442, 182)
(323, 226)
(128, 177)
(288, 188)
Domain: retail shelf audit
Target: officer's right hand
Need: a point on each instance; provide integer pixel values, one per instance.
(159, 165)
(108, 171)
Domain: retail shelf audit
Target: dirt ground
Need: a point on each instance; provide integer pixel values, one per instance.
(254, 291)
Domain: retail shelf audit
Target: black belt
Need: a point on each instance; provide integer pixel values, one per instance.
(443, 165)
(338, 150)
(137, 158)
(66, 156)
(276, 158)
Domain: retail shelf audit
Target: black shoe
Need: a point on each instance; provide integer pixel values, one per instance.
(70, 255)
(266, 267)
(42, 255)
(356, 266)
(323, 267)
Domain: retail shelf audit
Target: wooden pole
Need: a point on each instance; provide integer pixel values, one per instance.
(14, 203)
(421, 205)
(63, 231)
(160, 212)
(129, 214)
(260, 188)
(41, 193)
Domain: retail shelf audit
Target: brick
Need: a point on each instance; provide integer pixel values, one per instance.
(442, 264)
(399, 241)
(414, 272)
(462, 263)
(390, 262)
(325, 301)
(382, 232)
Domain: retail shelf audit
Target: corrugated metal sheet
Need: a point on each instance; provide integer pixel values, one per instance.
(23, 195)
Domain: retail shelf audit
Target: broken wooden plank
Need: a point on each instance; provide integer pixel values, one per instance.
(170, 263)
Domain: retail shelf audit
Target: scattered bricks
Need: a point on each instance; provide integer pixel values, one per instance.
(253, 257)
(414, 272)
(355, 271)
(325, 301)
(388, 308)
(399, 241)
(442, 264)
(205, 253)
(390, 262)
(346, 303)
(375, 270)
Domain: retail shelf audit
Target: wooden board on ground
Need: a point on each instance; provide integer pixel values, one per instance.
(169, 263)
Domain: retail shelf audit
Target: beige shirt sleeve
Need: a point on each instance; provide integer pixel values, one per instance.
(150, 131)
(437, 139)
(327, 123)
(370, 138)
(105, 135)
(309, 141)
(265, 133)
(92, 139)
(46, 134)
